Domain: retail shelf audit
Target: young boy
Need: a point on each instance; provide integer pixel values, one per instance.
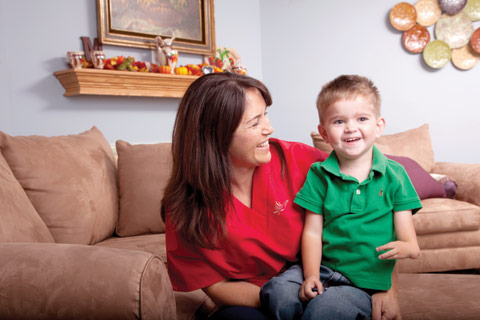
(359, 214)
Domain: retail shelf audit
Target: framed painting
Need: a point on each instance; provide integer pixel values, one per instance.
(136, 23)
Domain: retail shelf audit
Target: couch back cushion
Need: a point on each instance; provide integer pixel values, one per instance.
(143, 173)
(70, 180)
(414, 144)
(19, 222)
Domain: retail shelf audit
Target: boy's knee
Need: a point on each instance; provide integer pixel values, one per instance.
(279, 298)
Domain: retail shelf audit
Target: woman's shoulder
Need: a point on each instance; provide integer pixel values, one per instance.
(297, 148)
(296, 154)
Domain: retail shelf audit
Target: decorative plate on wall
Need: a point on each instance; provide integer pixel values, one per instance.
(465, 58)
(452, 6)
(472, 9)
(454, 30)
(437, 54)
(428, 12)
(475, 40)
(415, 39)
(451, 21)
(403, 16)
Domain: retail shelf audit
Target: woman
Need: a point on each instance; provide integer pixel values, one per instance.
(230, 220)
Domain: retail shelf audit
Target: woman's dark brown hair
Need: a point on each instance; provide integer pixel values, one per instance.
(198, 195)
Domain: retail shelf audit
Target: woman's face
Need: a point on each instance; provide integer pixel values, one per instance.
(249, 146)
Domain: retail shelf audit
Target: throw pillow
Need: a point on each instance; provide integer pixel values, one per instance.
(449, 184)
(143, 173)
(70, 180)
(19, 222)
(424, 184)
(414, 143)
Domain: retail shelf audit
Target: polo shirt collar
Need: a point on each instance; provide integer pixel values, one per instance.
(379, 162)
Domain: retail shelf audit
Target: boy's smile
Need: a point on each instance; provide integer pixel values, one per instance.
(351, 127)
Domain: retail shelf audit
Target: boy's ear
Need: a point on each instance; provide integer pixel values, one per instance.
(380, 126)
(323, 133)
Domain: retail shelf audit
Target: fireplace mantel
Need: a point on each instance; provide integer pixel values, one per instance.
(122, 83)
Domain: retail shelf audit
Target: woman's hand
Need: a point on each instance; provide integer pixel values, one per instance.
(310, 288)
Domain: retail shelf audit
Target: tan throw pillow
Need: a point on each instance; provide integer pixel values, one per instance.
(70, 180)
(319, 143)
(19, 222)
(414, 144)
(143, 173)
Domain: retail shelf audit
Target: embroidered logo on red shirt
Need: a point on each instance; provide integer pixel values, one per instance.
(279, 207)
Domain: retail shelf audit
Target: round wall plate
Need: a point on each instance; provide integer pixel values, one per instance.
(403, 16)
(437, 54)
(452, 7)
(475, 40)
(465, 58)
(454, 30)
(472, 9)
(415, 39)
(428, 12)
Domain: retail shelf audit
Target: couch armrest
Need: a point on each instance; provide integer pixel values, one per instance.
(467, 177)
(66, 281)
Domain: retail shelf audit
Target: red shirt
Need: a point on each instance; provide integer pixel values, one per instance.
(260, 240)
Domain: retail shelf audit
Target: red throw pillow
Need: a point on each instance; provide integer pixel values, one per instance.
(425, 185)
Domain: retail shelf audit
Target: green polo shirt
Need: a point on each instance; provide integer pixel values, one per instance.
(358, 217)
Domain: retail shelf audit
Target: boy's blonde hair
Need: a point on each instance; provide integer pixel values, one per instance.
(347, 87)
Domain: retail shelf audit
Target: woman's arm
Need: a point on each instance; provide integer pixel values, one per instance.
(407, 245)
(234, 293)
(385, 304)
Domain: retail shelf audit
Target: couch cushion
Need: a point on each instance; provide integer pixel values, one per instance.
(152, 243)
(446, 215)
(143, 172)
(70, 180)
(439, 296)
(19, 220)
(414, 143)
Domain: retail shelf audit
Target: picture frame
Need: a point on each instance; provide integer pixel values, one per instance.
(136, 23)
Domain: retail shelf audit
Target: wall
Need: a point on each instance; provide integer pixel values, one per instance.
(294, 46)
(306, 43)
(35, 38)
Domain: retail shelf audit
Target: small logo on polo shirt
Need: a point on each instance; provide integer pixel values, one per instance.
(279, 207)
(381, 193)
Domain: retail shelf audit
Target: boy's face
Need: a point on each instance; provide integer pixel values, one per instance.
(351, 127)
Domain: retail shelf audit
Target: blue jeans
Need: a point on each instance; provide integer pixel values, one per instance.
(340, 300)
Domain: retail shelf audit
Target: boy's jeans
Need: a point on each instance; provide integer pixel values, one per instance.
(340, 300)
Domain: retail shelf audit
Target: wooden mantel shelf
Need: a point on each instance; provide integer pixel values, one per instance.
(122, 83)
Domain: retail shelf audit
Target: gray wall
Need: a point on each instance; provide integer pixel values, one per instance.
(293, 46)
(35, 38)
(306, 43)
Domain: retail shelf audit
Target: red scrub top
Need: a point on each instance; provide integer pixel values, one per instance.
(260, 240)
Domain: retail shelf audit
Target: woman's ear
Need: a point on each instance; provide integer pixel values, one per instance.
(323, 133)
(380, 126)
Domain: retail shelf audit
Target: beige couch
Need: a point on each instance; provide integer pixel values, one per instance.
(81, 237)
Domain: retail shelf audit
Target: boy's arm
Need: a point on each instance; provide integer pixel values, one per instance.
(311, 255)
(407, 245)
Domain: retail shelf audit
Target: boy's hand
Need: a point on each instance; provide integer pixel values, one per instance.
(398, 250)
(310, 288)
